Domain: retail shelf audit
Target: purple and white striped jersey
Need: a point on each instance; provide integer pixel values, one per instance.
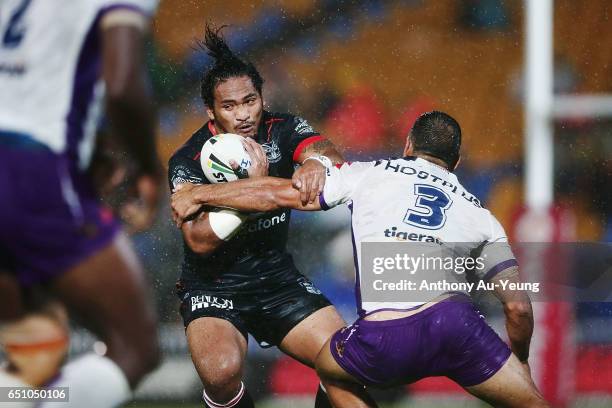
(50, 67)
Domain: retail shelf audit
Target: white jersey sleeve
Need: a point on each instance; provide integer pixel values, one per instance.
(50, 61)
(133, 13)
(496, 253)
(341, 182)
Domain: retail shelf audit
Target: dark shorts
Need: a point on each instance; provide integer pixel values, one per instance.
(50, 216)
(449, 339)
(267, 312)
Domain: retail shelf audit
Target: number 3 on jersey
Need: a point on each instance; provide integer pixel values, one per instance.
(429, 210)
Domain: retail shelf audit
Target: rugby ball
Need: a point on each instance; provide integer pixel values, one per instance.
(216, 155)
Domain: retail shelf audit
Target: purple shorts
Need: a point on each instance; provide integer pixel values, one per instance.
(50, 216)
(449, 339)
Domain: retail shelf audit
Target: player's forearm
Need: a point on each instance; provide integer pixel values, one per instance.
(250, 195)
(133, 122)
(321, 148)
(519, 325)
(128, 103)
(199, 235)
(518, 311)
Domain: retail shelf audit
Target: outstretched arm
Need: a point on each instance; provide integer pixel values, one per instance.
(263, 194)
(248, 195)
(519, 314)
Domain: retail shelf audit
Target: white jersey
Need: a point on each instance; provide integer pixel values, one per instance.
(50, 67)
(413, 200)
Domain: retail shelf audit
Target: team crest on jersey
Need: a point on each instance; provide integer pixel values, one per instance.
(181, 175)
(303, 126)
(272, 151)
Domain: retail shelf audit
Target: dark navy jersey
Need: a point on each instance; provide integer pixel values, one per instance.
(259, 248)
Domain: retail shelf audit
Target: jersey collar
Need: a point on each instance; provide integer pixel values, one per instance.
(419, 159)
(212, 128)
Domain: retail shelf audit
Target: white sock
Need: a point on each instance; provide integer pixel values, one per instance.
(227, 404)
(322, 387)
(94, 382)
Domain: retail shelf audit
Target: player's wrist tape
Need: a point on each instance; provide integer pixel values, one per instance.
(225, 222)
(324, 160)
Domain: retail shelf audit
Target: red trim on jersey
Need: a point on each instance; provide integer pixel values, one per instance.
(270, 122)
(197, 156)
(339, 165)
(274, 120)
(212, 128)
(303, 144)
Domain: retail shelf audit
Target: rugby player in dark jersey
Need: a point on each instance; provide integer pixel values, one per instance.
(239, 279)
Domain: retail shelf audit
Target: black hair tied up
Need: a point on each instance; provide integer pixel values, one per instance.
(226, 65)
(215, 46)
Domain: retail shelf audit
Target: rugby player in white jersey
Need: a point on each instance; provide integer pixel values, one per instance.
(60, 62)
(414, 198)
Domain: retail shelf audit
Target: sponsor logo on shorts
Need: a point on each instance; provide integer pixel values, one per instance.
(353, 329)
(206, 301)
(340, 348)
(341, 344)
(310, 288)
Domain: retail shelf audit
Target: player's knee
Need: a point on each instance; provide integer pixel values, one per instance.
(227, 371)
(222, 376)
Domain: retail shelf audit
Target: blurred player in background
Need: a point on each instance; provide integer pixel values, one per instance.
(401, 342)
(237, 277)
(59, 62)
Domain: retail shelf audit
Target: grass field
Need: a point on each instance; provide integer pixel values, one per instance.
(176, 384)
(421, 402)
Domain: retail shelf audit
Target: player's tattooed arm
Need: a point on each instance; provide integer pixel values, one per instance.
(196, 228)
(323, 147)
(518, 311)
(248, 195)
(309, 178)
(199, 235)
